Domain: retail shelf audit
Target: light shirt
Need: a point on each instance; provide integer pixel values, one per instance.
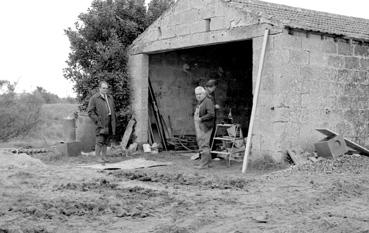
(107, 103)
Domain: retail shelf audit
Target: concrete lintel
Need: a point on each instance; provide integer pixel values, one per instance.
(204, 38)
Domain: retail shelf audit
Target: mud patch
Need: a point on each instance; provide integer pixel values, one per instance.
(22, 175)
(135, 202)
(172, 229)
(181, 179)
(99, 184)
(25, 229)
(71, 199)
(344, 188)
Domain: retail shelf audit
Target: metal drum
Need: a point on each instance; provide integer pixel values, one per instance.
(86, 131)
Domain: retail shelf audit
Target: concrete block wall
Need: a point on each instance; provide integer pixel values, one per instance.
(138, 67)
(310, 82)
(189, 17)
(191, 23)
(174, 91)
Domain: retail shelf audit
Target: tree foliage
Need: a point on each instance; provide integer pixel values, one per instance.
(99, 44)
(48, 97)
(156, 8)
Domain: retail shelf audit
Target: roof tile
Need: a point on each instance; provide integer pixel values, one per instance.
(305, 19)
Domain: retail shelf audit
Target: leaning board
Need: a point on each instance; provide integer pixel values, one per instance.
(127, 134)
(349, 143)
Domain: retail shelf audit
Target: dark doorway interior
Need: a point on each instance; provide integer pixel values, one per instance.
(174, 76)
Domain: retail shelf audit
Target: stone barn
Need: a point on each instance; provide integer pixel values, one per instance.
(315, 73)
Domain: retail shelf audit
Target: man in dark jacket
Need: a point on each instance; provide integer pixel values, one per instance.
(101, 110)
(204, 123)
(210, 87)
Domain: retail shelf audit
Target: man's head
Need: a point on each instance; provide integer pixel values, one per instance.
(103, 87)
(211, 85)
(200, 93)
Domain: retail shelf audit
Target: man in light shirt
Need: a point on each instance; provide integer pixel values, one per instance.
(204, 122)
(101, 110)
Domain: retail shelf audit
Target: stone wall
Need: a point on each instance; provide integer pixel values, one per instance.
(310, 82)
(196, 23)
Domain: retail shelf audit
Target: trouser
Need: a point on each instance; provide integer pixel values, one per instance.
(102, 142)
(203, 140)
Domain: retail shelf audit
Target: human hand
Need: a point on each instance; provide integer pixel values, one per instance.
(217, 106)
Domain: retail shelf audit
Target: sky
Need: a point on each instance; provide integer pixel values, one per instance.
(34, 48)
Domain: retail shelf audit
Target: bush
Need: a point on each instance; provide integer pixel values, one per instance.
(19, 113)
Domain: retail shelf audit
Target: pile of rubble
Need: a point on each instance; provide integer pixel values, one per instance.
(28, 151)
(346, 163)
(9, 161)
(354, 164)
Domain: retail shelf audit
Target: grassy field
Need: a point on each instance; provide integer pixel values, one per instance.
(49, 130)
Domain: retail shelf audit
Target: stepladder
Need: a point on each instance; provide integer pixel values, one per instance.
(228, 142)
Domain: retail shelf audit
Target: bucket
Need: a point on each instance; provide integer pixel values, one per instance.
(154, 148)
(146, 148)
(86, 132)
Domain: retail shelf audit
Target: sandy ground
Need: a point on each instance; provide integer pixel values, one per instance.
(327, 196)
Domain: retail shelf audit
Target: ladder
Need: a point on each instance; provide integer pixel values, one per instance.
(229, 147)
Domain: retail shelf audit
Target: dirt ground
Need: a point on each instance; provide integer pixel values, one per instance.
(58, 196)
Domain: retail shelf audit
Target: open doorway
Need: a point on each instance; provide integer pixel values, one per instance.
(174, 76)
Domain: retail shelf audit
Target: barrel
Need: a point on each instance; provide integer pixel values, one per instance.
(86, 131)
(69, 129)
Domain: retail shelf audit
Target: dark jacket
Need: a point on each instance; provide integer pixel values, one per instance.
(99, 113)
(207, 113)
(211, 96)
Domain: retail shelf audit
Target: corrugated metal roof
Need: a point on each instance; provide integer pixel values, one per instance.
(305, 19)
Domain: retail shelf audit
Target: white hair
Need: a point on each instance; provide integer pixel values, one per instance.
(200, 89)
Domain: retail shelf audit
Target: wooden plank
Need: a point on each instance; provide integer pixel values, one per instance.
(349, 143)
(255, 101)
(170, 126)
(150, 132)
(224, 138)
(166, 128)
(296, 157)
(158, 117)
(127, 134)
(220, 152)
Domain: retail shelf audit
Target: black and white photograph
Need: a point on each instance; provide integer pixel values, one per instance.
(184, 116)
